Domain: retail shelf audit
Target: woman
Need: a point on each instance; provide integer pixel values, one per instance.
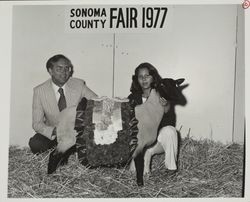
(146, 77)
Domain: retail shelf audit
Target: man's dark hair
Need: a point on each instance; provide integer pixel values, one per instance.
(56, 58)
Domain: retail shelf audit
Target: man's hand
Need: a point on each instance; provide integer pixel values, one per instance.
(53, 136)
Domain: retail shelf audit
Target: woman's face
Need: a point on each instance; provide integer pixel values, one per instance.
(144, 78)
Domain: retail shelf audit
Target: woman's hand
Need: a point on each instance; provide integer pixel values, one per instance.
(163, 101)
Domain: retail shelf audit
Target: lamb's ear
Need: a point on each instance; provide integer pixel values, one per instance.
(179, 81)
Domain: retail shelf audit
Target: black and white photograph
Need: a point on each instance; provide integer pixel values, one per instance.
(124, 100)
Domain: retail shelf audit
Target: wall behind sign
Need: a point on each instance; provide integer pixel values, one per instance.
(199, 49)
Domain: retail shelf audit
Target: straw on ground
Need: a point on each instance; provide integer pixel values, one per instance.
(206, 169)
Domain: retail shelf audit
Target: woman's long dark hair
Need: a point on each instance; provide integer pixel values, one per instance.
(135, 86)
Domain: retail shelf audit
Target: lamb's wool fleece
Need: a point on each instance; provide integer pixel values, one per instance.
(66, 135)
(149, 115)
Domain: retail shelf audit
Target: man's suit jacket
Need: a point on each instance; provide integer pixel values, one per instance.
(45, 109)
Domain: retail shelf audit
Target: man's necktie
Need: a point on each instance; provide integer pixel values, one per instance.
(62, 101)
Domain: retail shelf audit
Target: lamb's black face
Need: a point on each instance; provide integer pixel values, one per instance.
(169, 89)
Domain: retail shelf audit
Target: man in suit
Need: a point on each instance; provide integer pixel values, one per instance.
(51, 97)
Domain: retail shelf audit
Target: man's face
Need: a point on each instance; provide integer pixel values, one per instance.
(60, 72)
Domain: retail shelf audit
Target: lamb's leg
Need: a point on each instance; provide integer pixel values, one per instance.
(58, 158)
(139, 165)
(54, 161)
(156, 149)
(67, 154)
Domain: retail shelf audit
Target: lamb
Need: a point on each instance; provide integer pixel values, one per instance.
(66, 139)
(149, 115)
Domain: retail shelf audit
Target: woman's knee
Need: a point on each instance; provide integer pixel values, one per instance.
(169, 131)
(166, 133)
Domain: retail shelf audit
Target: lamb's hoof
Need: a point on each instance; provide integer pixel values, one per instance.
(65, 161)
(84, 162)
(54, 162)
(140, 183)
